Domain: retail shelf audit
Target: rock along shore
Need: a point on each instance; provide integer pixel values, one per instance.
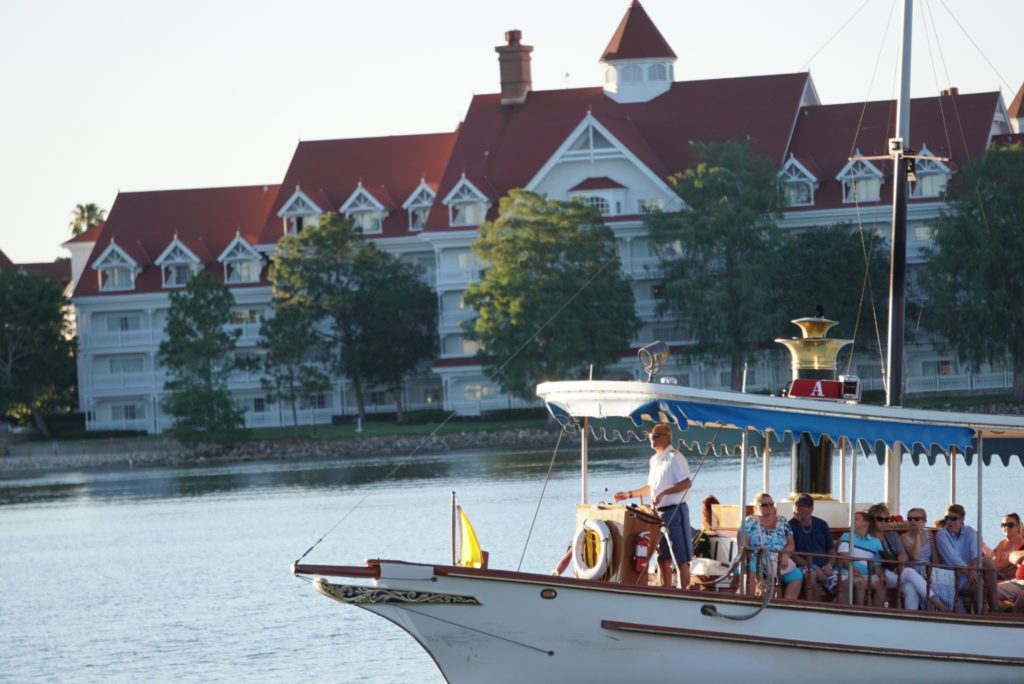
(58, 456)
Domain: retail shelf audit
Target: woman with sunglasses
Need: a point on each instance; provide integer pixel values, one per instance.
(1012, 541)
(920, 546)
(893, 552)
(770, 540)
(866, 546)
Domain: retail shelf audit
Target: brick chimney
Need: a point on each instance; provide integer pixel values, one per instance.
(514, 65)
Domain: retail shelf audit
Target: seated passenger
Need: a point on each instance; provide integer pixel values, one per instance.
(866, 546)
(958, 546)
(770, 541)
(1013, 590)
(1013, 541)
(813, 535)
(893, 553)
(920, 546)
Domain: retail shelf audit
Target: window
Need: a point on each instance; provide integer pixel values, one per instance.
(418, 207)
(600, 203)
(923, 233)
(650, 206)
(293, 224)
(940, 367)
(468, 214)
(932, 176)
(657, 72)
(368, 221)
(126, 412)
(240, 316)
(297, 212)
(315, 402)
(610, 75)
(366, 214)
(799, 194)
(478, 392)
(632, 73)
(123, 323)
(259, 405)
(381, 398)
(418, 217)
(182, 273)
(128, 365)
(118, 278)
(432, 396)
(467, 260)
(177, 264)
(798, 182)
(115, 269)
(862, 181)
(243, 271)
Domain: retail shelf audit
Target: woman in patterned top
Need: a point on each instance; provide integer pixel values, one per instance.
(920, 547)
(767, 530)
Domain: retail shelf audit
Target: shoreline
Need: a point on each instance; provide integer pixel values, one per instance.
(36, 458)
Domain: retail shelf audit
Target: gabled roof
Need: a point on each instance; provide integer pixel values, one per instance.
(239, 244)
(5, 262)
(598, 183)
(179, 247)
(58, 271)
(507, 146)
(89, 235)
(1016, 110)
(637, 38)
(826, 136)
(329, 171)
(206, 220)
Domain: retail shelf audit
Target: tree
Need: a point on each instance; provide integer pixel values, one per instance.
(972, 277)
(85, 217)
(199, 356)
(378, 311)
(36, 352)
(397, 316)
(552, 300)
(720, 253)
(826, 266)
(289, 363)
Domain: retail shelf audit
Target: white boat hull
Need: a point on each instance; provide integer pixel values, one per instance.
(498, 627)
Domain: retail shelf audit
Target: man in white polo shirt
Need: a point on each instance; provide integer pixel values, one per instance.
(668, 481)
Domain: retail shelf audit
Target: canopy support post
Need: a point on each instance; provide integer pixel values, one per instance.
(853, 505)
(979, 597)
(842, 470)
(766, 477)
(740, 541)
(952, 475)
(893, 459)
(585, 433)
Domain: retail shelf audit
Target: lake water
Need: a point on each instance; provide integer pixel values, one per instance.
(182, 574)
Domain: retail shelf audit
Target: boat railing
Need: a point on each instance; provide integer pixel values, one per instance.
(840, 560)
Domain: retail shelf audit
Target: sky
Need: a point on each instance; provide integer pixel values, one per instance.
(102, 96)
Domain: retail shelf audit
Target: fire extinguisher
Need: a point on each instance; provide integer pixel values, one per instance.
(641, 551)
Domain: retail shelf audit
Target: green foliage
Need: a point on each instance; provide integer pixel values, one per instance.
(552, 300)
(36, 354)
(381, 317)
(85, 217)
(973, 277)
(721, 256)
(198, 355)
(825, 265)
(289, 363)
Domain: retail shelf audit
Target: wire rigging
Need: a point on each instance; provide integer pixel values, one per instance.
(540, 500)
(832, 37)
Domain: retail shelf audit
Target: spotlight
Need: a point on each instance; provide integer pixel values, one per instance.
(653, 357)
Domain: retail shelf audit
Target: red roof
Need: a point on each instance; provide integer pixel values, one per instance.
(390, 169)
(507, 146)
(206, 220)
(4, 261)
(1008, 139)
(58, 271)
(827, 135)
(89, 235)
(599, 183)
(1016, 110)
(637, 38)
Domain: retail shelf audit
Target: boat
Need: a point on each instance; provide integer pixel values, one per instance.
(494, 625)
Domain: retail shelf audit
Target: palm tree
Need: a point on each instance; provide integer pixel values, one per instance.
(86, 216)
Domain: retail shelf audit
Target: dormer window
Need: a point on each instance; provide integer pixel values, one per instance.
(115, 269)
(862, 181)
(932, 176)
(798, 183)
(298, 212)
(467, 206)
(177, 264)
(366, 212)
(601, 193)
(418, 206)
(242, 263)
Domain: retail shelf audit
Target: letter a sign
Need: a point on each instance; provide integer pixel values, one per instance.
(817, 392)
(816, 389)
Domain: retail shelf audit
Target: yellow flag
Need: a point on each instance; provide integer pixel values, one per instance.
(470, 555)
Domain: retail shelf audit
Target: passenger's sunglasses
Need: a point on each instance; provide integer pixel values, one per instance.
(1009, 524)
(766, 504)
(882, 518)
(952, 518)
(915, 518)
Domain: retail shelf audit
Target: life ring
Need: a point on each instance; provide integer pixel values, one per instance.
(604, 550)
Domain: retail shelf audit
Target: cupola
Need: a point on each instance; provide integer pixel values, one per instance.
(638, 60)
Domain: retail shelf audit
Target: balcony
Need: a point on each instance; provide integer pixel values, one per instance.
(122, 338)
(456, 277)
(250, 332)
(119, 381)
(454, 319)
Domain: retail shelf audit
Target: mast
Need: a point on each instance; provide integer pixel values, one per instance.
(898, 241)
(898, 257)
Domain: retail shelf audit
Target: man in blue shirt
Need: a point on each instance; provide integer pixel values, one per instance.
(957, 544)
(813, 535)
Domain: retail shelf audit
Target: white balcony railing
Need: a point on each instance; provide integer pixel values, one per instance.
(122, 338)
(458, 276)
(142, 380)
